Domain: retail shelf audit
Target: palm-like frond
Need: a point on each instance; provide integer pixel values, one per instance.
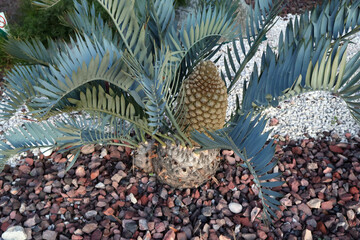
(199, 35)
(161, 22)
(299, 48)
(102, 129)
(131, 33)
(95, 101)
(20, 83)
(85, 19)
(245, 138)
(31, 136)
(261, 19)
(77, 67)
(34, 51)
(66, 135)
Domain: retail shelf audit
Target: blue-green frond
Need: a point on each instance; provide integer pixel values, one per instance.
(98, 129)
(199, 36)
(156, 85)
(85, 19)
(131, 33)
(161, 23)
(95, 100)
(31, 135)
(246, 138)
(83, 64)
(19, 87)
(34, 51)
(260, 19)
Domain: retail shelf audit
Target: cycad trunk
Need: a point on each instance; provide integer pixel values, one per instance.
(177, 166)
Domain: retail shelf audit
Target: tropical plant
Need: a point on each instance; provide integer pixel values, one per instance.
(130, 81)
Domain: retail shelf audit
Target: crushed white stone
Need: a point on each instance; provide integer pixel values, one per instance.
(309, 113)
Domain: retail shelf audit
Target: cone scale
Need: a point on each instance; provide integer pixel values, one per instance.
(205, 99)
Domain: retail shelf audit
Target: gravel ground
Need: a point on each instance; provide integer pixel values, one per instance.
(101, 197)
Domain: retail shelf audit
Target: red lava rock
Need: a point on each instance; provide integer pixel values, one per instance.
(327, 205)
(224, 190)
(261, 234)
(76, 237)
(144, 200)
(321, 227)
(94, 174)
(170, 235)
(354, 190)
(296, 150)
(336, 175)
(196, 194)
(25, 169)
(58, 199)
(4, 226)
(115, 154)
(134, 190)
(109, 211)
(231, 185)
(243, 221)
(81, 191)
(294, 184)
(336, 149)
(97, 234)
(29, 161)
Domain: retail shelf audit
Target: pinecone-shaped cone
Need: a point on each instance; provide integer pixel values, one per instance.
(205, 99)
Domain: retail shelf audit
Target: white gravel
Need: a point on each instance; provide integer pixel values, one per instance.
(311, 113)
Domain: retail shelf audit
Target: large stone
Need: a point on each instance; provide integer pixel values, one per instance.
(14, 233)
(235, 207)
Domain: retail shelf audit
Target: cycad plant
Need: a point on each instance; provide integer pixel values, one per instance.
(143, 82)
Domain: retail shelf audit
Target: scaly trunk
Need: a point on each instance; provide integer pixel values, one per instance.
(177, 166)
